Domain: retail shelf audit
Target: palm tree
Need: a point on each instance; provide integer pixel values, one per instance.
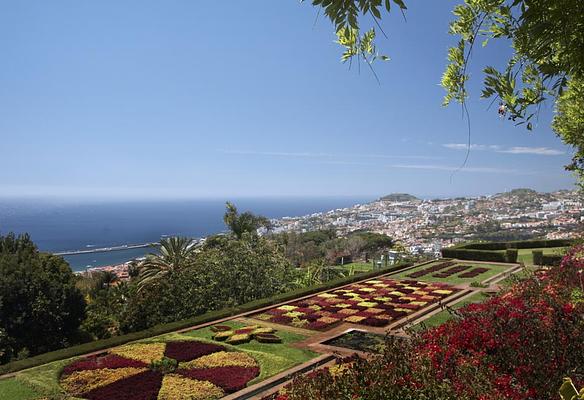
(175, 253)
(107, 279)
(246, 222)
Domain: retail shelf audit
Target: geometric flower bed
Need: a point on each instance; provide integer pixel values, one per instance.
(451, 271)
(194, 370)
(473, 272)
(433, 268)
(244, 335)
(373, 303)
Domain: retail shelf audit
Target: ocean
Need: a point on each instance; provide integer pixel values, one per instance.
(60, 226)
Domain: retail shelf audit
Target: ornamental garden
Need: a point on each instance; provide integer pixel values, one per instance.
(259, 351)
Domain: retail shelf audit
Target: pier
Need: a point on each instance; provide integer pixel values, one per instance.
(105, 249)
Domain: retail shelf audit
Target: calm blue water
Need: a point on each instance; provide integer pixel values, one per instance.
(61, 226)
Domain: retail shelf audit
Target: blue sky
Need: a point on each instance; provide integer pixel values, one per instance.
(147, 99)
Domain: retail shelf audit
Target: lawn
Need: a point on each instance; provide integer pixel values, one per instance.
(13, 389)
(356, 266)
(454, 279)
(444, 315)
(272, 357)
(526, 256)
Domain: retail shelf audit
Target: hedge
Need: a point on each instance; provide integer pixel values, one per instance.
(519, 244)
(478, 255)
(537, 257)
(551, 259)
(104, 344)
(511, 255)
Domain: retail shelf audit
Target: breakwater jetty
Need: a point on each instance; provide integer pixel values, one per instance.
(105, 249)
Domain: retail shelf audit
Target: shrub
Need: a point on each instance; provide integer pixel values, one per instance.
(551, 259)
(164, 366)
(511, 255)
(537, 257)
(268, 338)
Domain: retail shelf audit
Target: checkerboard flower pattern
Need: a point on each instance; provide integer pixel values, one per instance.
(373, 303)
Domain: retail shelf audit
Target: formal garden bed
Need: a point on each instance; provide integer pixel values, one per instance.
(373, 303)
(359, 340)
(454, 272)
(164, 370)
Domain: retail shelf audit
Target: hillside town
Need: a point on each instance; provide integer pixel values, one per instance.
(426, 226)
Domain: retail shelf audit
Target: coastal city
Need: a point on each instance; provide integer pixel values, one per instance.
(426, 226)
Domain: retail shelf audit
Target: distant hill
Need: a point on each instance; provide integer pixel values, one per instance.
(522, 192)
(399, 197)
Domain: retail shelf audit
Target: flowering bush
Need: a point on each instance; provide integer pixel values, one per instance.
(517, 345)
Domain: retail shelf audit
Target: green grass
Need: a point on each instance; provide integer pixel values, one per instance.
(444, 315)
(494, 269)
(526, 256)
(357, 267)
(272, 357)
(12, 389)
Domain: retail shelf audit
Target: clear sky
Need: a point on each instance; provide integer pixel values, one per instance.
(229, 98)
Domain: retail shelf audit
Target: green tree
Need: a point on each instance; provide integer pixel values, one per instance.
(547, 38)
(40, 307)
(246, 222)
(173, 254)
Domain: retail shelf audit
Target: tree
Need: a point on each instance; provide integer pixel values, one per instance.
(548, 61)
(174, 254)
(40, 307)
(248, 222)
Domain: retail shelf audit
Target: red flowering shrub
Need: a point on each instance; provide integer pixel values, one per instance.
(187, 351)
(518, 345)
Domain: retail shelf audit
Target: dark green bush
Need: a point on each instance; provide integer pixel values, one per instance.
(537, 257)
(551, 259)
(478, 255)
(511, 255)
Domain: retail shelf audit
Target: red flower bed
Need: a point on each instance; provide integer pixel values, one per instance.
(110, 361)
(186, 351)
(230, 379)
(429, 270)
(143, 386)
(451, 271)
(473, 272)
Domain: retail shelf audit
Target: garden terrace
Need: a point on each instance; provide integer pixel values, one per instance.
(373, 303)
(458, 272)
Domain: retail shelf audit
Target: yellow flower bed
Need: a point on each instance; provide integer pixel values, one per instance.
(293, 314)
(366, 289)
(442, 291)
(327, 295)
(315, 307)
(176, 387)
(145, 352)
(374, 282)
(396, 293)
(343, 305)
(263, 317)
(263, 330)
(348, 311)
(83, 381)
(419, 303)
(287, 308)
(354, 318)
(299, 323)
(367, 304)
(221, 359)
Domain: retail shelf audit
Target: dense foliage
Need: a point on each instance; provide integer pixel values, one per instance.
(517, 345)
(40, 307)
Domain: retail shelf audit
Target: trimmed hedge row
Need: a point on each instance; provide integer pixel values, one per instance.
(477, 255)
(519, 244)
(551, 259)
(492, 251)
(198, 320)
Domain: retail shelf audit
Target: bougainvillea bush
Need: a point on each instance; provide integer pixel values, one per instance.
(177, 370)
(518, 345)
(372, 303)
